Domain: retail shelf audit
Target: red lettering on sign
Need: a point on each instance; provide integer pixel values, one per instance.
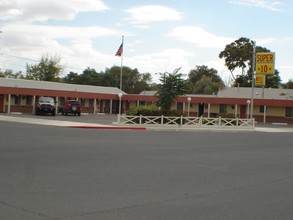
(264, 58)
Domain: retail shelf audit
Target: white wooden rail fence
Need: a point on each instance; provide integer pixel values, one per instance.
(187, 122)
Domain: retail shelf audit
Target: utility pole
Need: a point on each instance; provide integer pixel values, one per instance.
(252, 81)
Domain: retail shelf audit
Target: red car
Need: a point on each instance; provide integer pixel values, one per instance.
(71, 107)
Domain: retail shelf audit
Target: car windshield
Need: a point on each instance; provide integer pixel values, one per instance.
(46, 100)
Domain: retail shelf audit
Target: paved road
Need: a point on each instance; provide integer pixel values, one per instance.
(56, 173)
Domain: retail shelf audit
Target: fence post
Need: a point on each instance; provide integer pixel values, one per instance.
(219, 121)
(140, 119)
(162, 119)
(200, 121)
(181, 120)
(237, 122)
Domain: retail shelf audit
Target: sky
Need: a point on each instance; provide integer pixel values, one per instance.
(159, 35)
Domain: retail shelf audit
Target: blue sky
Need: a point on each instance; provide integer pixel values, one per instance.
(159, 36)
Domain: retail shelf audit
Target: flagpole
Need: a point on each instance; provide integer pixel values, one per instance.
(121, 63)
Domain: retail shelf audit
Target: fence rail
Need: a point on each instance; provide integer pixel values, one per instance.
(185, 121)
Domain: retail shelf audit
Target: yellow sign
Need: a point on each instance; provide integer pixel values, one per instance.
(265, 63)
(260, 80)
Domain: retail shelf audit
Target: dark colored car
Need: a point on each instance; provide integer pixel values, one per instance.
(45, 105)
(71, 107)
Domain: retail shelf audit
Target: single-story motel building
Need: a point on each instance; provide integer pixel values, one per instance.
(269, 105)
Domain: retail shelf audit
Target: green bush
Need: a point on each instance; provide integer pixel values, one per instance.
(227, 115)
(144, 110)
(153, 111)
(176, 113)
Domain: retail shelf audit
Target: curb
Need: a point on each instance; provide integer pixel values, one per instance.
(106, 127)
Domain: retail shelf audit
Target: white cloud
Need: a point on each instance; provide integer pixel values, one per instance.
(267, 4)
(144, 15)
(199, 36)
(32, 41)
(42, 36)
(36, 10)
(164, 61)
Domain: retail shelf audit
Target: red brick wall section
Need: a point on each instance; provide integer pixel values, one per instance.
(89, 110)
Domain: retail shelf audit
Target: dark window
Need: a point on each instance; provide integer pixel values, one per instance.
(82, 102)
(91, 103)
(28, 100)
(180, 106)
(223, 109)
(16, 100)
(289, 112)
(262, 109)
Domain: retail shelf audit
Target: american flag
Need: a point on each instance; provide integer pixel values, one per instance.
(119, 51)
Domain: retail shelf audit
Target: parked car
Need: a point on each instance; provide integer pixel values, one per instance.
(45, 105)
(71, 107)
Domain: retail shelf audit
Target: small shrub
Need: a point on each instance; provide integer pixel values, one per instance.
(227, 115)
(176, 113)
(144, 110)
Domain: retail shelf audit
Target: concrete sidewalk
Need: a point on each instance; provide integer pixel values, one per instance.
(109, 124)
(69, 124)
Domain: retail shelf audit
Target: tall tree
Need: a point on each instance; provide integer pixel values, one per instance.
(72, 78)
(204, 80)
(238, 55)
(288, 85)
(10, 74)
(206, 86)
(90, 77)
(172, 86)
(132, 80)
(48, 69)
(273, 80)
(143, 83)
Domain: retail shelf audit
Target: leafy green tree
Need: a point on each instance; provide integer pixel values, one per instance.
(72, 78)
(143, 83)
(204, 80)
(129, 79)
(132, 80)
(10, 74)
(288, 85)
(273, 80)
(90, 77)
(48, 69)
(172, 86)
(238, 55)
(206, 86)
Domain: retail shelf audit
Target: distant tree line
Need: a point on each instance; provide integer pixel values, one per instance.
(199, 80)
